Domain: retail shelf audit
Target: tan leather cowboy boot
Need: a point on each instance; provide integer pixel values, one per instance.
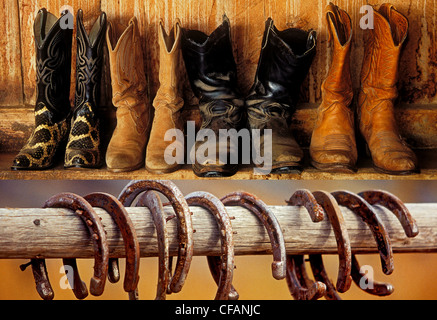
(167, 102)
(379, 76)
(127, 146)
(333, 146)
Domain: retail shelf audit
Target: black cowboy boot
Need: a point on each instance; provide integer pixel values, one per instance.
(83, 147)
(212, 73)
(284, 61)
(52, 108)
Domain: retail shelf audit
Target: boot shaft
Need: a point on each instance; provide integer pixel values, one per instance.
(128, 80)
(284, 62)
(210, 63)
(89, 60)
(337, 86)
(383, 48)
(53, 64)
(170, 63)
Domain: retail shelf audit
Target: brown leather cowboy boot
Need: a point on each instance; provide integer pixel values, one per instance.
(167, 102)
(128, 143)
(333, 146)
(379, 76)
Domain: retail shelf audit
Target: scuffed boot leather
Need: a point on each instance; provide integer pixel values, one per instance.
(52, 108)
(168, 101)
(284, 62)
(83, 147)
(379, 76)
(333, 146)
(212, 73)
(128, 142)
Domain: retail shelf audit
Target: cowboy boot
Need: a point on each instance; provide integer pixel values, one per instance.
(167, 102)
(284, 62)
(379, 76)
(333, 146)
(52, 108)
(83, 147)
(212, 73)
(128, 142)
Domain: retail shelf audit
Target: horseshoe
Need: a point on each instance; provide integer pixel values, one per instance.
(344, 279)
(151, 200)
(180, 206)
(363, 209)
(132, 247)
(94, 224)
(217, 208)
(300, 286)
(42, 283)
(268, 219)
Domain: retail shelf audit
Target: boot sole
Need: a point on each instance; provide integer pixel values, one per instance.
(334, 167)
(136, 167)
(397, 173)
(163, 171)
(214, 171)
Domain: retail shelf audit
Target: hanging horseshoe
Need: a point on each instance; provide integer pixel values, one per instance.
(180, 206)
(364, 210)
(110, 204)
(94, 224)
(216, 207)
(151, 200)
(42, 283)
(300, 286)
(344, 279)
(268, 219)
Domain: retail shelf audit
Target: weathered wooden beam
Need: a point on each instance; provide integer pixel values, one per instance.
(56, 233)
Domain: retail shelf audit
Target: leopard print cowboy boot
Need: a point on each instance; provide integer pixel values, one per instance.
(379, 77)
(126, 149)
(212, 73)
(83, 147)
(284, 62)
(333, 147)
(52, 108)
(168, 101)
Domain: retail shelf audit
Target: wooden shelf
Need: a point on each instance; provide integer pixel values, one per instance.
(427, 159)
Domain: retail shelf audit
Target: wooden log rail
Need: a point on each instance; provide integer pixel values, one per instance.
(60, 233)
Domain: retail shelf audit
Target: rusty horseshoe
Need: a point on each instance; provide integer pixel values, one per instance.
(42, 283)
(344, 279)
(110, 204)
(150, 200)
(300, 286)
(218, 210)
(268, 219)
(180, 206)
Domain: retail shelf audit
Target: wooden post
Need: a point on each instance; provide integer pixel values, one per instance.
(60, 233)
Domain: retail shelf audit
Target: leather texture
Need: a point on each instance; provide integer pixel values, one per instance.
(212, 73)
(52, 108)
(168, 100)
(284, 62)
(379, 77)
(333, 146)
(83, 147)
(126, 149)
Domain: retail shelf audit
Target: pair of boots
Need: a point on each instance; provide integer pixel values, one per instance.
(333, 146)
(129, 95)
(53, 114)
(284, 62)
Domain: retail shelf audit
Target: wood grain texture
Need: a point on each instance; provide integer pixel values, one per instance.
(56, 233)
(11, 80)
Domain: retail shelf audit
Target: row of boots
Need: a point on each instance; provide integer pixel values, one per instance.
(284, 62)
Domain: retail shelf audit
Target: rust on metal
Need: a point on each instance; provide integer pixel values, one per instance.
(226, 263)
(180, 206)
(268, 219)
(115, 208)
(101, 251)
